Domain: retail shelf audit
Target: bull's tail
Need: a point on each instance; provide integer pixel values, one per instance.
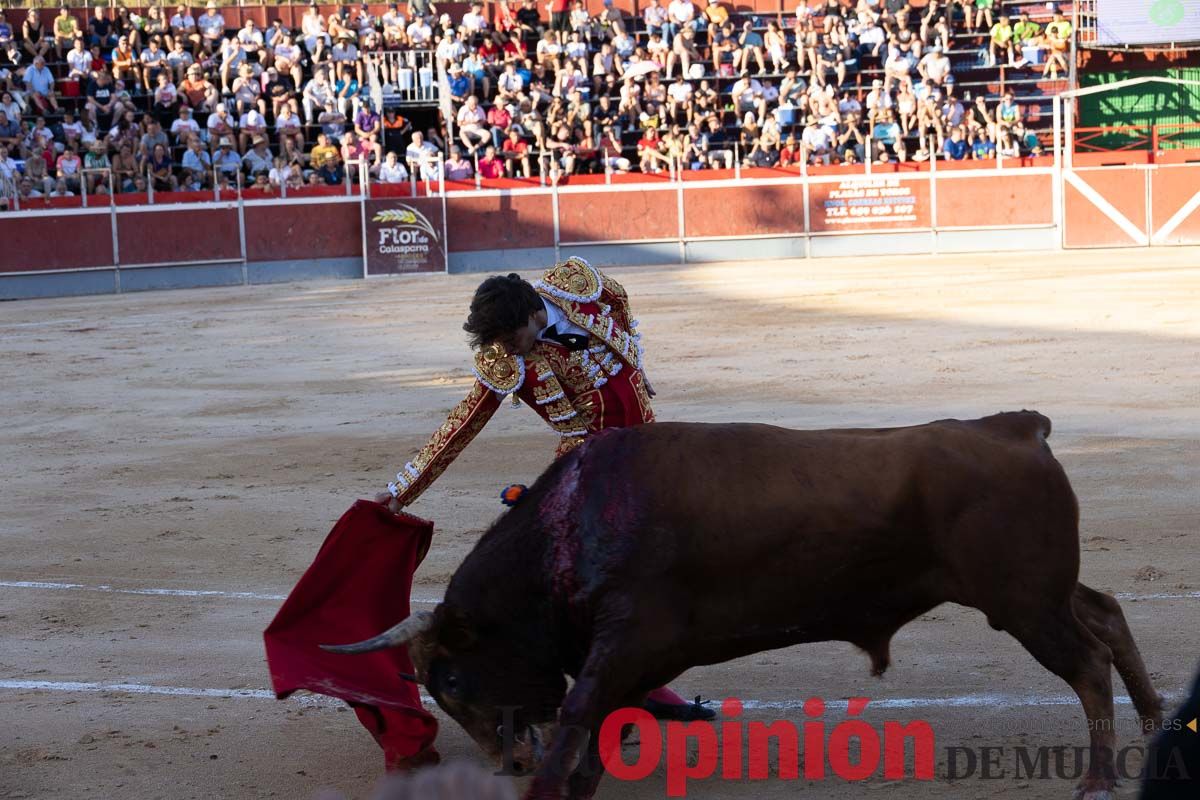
(1020, 424)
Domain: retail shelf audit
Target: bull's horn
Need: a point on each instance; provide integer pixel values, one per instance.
(399, 634)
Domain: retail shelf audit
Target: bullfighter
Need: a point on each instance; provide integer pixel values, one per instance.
(568, 347)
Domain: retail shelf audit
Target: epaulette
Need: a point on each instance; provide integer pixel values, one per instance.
(498, 370)
(574, 280)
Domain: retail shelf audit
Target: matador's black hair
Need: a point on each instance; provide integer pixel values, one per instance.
(501, 305)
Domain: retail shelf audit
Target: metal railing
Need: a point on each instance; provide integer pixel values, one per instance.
(403, 77)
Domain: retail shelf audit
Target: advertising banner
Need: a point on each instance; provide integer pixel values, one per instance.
(404, 234)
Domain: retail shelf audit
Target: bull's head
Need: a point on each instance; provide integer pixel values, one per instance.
(493, 681)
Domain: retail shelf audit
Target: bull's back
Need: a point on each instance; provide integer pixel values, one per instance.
(814, 506)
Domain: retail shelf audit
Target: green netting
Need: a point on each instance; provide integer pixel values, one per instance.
(1169, 106)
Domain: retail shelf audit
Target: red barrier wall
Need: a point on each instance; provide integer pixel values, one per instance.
(988, 202)
(1087, 224)
(870, 204)
(1171, 188)
(319, 227)
(154, 237)
(46, 243)
(607, 216)
(744, 210)
(500, 222)
(303, 231)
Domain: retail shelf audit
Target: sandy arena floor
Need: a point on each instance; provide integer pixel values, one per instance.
(206, 440)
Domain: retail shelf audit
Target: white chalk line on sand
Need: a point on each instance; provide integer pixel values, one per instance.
(167, 592)
(958, 701)
(422, 600)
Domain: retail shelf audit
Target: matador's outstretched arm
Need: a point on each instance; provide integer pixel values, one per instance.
(464, 422)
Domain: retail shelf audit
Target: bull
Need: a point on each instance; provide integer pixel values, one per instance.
(653, 549)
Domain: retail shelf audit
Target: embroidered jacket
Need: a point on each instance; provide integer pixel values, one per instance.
(576, 392)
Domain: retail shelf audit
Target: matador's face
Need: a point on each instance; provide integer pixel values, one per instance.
(520, 342)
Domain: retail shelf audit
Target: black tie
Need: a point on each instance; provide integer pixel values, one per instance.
(571, 341)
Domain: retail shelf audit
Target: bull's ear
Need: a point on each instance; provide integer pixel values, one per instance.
(455, 629)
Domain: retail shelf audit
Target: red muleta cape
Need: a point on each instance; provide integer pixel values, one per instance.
(357, 586)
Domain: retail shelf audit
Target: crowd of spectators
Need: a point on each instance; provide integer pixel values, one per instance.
(167, 102)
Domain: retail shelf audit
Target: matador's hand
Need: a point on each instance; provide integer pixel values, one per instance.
(386, 499)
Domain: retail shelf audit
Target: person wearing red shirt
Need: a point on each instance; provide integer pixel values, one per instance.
(491, 166)
(499, 120)
(515, 149)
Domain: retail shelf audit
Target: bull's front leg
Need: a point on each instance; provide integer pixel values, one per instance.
(598, 691)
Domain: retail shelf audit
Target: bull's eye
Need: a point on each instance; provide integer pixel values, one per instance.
(451, 682)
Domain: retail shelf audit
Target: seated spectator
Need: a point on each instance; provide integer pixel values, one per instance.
(10, 132)
(159, 167)
(750, 43)
(68, 168)
(356, 152)
(259, 157)
(458, 168)
(313, 33)
(748, 97)
(281, 171)
(220, 125)
(211, 25)
(226, 160)
(472, 125)
(326, 161)
(125, 169)
(39, 87)
(421, 157)
(251, 125)
(179, 61)
(984, 148)
(347, 91)
(185, 128)
(1001, 42)
(333, 125)
(152, 136)
(33, 36)
(61, 189)
(652, 157)
(983, 14)
(392, 169)
(1058, 39)
(515, 151)
(491, 165)
(955, 148)
(817, 142)
(182, 30)
(289, 131)
(197, 159)
(96, 166)
(197, 92)
(885, 135)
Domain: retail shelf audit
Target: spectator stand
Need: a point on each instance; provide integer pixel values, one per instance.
(413, 79)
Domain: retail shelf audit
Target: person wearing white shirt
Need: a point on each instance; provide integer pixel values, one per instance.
(474, 20)
(472, 125)
(655, 17)
(179, 60)
(183, 26)
(252, 125)
(251, 37)
(392, 170)
(312, 31)
(419, 33)
(79, 60)
(422, 157)
(680, 14)
(185, 126)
